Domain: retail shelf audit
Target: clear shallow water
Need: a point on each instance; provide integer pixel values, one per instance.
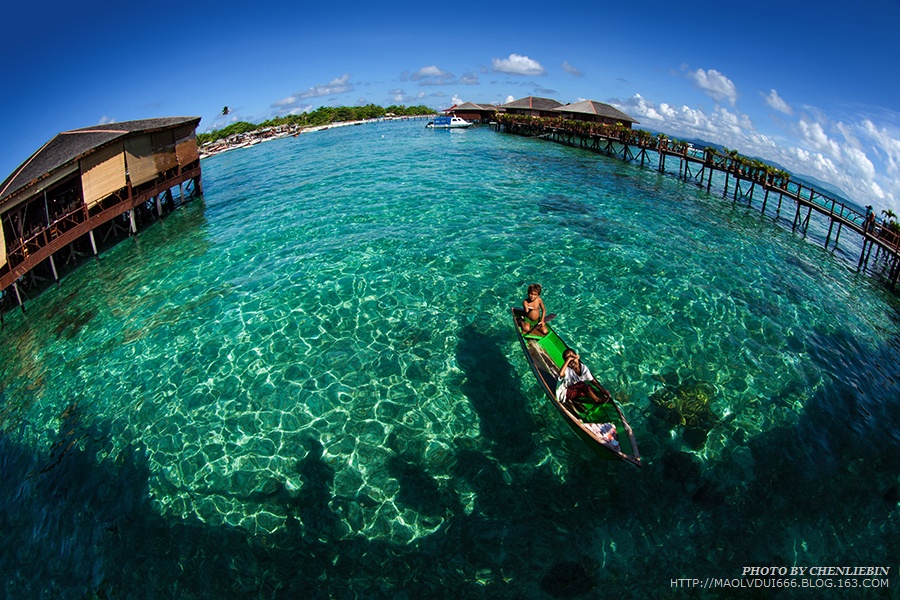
(306, 384)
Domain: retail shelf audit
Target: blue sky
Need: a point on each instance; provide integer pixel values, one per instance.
(812, 86)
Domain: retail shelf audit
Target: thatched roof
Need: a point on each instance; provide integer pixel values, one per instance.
(592, 107)
(70, 146)
(533, 103)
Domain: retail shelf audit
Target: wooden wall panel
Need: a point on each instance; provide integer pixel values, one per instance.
(164, 150)
(186, 145)
(102, 173)
(139, 159)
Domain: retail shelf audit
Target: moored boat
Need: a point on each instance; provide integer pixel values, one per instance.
(449, 122)
(599, 425)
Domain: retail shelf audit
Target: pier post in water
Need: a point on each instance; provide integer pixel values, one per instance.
(53, 268)
(19, 296)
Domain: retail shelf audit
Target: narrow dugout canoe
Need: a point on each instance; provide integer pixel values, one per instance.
(544, 356)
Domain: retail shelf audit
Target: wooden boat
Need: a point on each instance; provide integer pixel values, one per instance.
(544, 356)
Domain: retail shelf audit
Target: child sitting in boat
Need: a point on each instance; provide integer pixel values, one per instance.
(577, 383)
(531, 318)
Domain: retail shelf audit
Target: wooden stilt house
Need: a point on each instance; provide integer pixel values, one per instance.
(532, 106)
(89, 178)
(596, 112)
(474, 113)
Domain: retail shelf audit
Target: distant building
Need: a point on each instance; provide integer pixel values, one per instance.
(475, 113)
(532, 106)
(590, 110)
(84, 179)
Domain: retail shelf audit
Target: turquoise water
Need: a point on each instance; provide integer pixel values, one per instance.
(305, 384)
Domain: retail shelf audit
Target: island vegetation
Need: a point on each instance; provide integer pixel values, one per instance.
(324, 115)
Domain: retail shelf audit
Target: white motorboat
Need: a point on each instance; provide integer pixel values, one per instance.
(449, 122)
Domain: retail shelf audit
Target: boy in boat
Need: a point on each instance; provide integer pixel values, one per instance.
(531, 318)
(577, 383)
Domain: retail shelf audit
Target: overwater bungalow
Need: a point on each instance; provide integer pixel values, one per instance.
(596, 112)
(474, 113)
(108, 177)
(532, 106)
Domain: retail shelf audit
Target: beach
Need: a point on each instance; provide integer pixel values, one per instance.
(245, 140)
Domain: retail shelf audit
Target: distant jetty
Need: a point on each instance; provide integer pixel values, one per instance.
(743, 178)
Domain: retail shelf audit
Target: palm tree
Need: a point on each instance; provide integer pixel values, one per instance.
(889, 214)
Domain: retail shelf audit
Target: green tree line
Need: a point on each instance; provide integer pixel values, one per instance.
(323, 115)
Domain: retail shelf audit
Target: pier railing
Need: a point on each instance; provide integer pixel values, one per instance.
(76, 220)
(699, 164)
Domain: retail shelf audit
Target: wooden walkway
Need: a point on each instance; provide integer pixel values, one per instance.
(44, 242)
(745, 179)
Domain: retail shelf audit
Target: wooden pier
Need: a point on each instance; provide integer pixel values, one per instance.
(744, 179)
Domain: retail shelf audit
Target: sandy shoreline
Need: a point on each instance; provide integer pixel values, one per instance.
(251, 138)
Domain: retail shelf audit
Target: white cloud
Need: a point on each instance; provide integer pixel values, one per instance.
(104, 120)
(339, 85)
(862, 159)
(431, 71)
(665, 111)
(292, 105)
(641, 107)
(886, 145)
(736, 123)
(814, 134)
(859, 162)
(721, 125)
(398, 96)
(775, 101)
(432, 75)
(570, 69)
(849, 134)
(509, 99)
(715, 84)
(517, 64)
(289, 101)
(456, 100)
(469, 79)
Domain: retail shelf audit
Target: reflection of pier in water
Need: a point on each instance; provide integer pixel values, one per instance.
(89, 183)
(740, 176)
